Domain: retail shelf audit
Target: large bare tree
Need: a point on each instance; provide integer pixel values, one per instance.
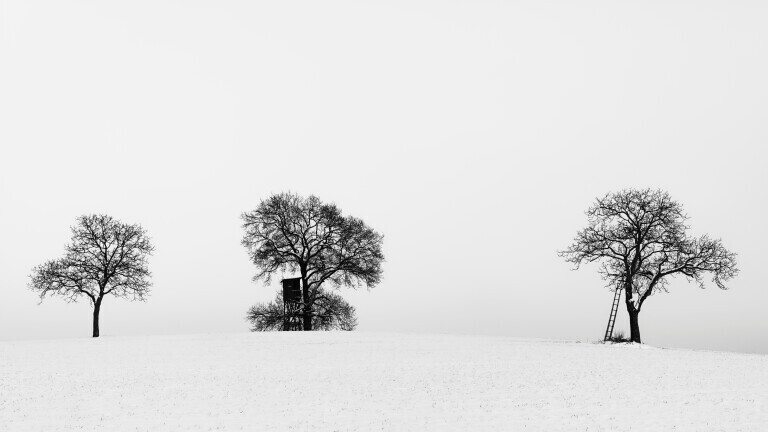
(639, 238)
(287, 232)
(105, 257)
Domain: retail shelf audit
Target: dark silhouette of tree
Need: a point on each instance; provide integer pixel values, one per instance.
(331, 312)
(287, 232)
(105, 257)
(639, 238)
(267, 316)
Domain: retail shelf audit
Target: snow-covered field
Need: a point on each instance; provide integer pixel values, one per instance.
(369, 381)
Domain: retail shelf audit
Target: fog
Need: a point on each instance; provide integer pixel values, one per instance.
(473, 135)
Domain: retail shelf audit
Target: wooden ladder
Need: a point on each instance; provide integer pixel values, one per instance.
(612, 318)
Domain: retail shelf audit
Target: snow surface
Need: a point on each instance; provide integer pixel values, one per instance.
(368, 381)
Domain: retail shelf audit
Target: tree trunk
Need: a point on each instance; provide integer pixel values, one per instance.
(307, 315)
(634, 326)
(96, 309)
(633, 312)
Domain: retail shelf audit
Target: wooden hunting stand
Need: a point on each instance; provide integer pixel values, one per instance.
(293, 306)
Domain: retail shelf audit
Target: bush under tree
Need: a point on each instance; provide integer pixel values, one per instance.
(331, 312)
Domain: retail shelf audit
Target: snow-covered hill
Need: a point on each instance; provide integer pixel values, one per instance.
(368, 381)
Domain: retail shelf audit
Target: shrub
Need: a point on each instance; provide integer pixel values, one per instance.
(619, 336)
(331, 312)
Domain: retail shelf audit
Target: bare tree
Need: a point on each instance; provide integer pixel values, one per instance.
(105, 257)
(639, 238)
(287, 232)
(332, 312)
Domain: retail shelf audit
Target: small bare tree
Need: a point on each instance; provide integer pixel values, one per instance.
(331, 312)
(287, 232)
(105, 257)
(639, 237)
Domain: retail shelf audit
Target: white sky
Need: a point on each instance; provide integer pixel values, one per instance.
(473, 135)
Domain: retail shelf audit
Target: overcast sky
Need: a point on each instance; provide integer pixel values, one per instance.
(473, 135)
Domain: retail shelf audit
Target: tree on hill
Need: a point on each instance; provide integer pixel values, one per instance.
(287, 232)
(639, 238)
(105, 257)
